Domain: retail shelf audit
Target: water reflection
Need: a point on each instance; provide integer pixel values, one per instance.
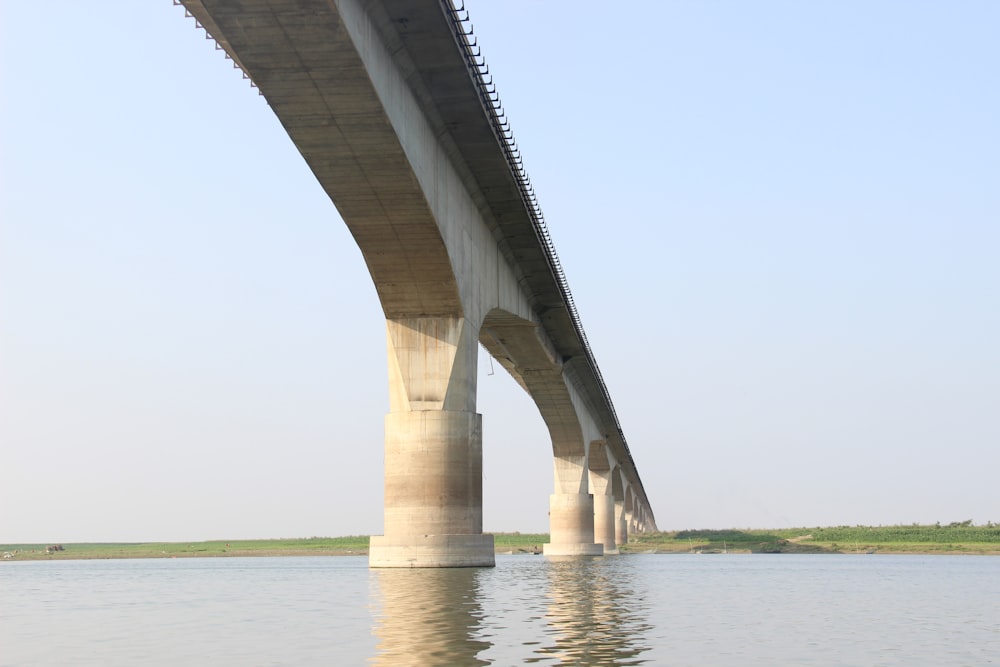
(427, 617)
(893, 611)
(596, 616)
(589, 612)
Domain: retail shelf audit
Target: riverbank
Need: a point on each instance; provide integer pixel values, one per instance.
(958, 538)
(354, 545)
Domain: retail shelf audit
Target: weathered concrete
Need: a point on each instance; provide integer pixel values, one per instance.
(571, 510)
(621, 523)
(604, 509)
(629, 515)
(380, 100)
(571, 526)
(433, 449)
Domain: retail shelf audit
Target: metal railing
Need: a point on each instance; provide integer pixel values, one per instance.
(218, 47)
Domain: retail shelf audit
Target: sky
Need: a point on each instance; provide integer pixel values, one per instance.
(780, 222)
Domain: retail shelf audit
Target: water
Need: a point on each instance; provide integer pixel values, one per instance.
(704, 610)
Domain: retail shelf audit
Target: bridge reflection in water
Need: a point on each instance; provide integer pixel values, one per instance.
(595, 617)
(526, 611)
(428, 617)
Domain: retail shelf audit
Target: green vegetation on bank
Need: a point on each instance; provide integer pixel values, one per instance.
(958, 538)
(333, 546)
(313, 546)
(955, 538)
(519, 542)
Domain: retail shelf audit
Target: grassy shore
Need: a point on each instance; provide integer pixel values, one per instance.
(957, 538)
(315, 546)
(353, 545)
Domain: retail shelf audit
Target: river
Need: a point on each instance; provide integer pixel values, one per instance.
(671, 610)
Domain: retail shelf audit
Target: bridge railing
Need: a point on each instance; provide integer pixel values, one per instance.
(219, 46)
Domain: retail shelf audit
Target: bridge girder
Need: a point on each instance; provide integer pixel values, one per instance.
(379, 99)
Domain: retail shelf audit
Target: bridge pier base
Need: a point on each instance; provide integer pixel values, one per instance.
(431, 551)
(433, 492)
(571, 526)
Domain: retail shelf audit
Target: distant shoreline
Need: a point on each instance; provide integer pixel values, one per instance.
(953, 539)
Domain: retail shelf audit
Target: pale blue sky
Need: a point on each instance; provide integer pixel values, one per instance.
(780, 222)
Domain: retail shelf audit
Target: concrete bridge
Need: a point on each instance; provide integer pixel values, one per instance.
(392, 106)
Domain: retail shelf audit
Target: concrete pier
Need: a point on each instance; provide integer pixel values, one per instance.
(621, 523)
(604, 523)
(571, 526)
(433, 492)
(571, 510)
(433, 448)
(603, 472)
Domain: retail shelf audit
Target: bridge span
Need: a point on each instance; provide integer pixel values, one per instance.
(392, 106)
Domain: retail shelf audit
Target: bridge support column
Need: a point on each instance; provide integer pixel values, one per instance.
(630, 520)
(621, 523)
(604, 511)
(571, 511)
(433, 450)
(604, 522)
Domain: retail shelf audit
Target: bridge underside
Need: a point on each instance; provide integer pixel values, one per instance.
(380, 100)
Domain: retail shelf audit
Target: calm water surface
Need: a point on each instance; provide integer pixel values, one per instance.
(704, 610)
